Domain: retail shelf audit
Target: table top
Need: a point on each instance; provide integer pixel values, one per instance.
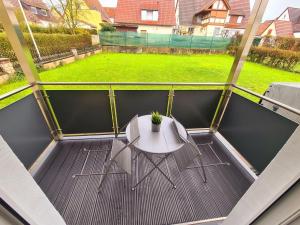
(161, 142)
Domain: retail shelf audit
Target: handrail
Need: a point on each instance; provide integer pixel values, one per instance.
(282, 105)
(134, 83)
(15, 91)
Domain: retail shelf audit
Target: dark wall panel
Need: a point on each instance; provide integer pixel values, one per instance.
(83, 111)
(130, 103)
(195, 109)
(256, 132)
(24, 129)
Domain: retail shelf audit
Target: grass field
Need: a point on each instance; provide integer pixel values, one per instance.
(158, 68)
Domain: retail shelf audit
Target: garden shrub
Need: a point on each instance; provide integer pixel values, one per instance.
(48, 44)
(278, 58)
(284, 43)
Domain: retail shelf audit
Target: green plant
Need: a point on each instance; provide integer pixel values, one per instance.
(107, 27)
(278, 58)
(48, 44)
(156, 118)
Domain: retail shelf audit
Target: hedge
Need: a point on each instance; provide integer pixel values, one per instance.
(48, 44)
(284, 43)
(278, 58)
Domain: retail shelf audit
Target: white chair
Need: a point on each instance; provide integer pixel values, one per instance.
(185, 156)
(119, 154)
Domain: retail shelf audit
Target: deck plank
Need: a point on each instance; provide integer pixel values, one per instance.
(153, 202)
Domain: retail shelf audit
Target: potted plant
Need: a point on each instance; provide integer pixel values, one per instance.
(156, 119)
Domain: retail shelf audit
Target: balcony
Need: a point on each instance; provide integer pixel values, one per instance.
(248, 138)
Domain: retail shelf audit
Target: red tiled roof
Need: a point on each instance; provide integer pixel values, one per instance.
(294, 14)
(35, 18)
(36, 3)
(96, 5)
(110, 11)
(240, 8)
(129, 12)
(263, 26)
(284, 28)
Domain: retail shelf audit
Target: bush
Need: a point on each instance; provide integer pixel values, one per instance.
(53, 29)
(278, 58)
(48, 44)
(284, 43)
(107, 27)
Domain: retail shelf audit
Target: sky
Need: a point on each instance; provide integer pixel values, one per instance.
(274, 8)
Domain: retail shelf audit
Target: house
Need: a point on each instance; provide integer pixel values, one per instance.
(111, 12)
(286, 25)
(96, 5)
(151, 16)
(36, 12)
(89, 15)
(212, 17)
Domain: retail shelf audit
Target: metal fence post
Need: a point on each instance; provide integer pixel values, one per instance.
(211, 43)
(147, 40)
(191, 41)
(170, 101)
(125, 38)
(170, 40)
(16, 38)
(242, 52)
(113, 109)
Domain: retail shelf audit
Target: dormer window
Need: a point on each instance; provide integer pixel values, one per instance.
(34, 10)
(239, 19)
(219, 5)
(150, 15)
(43, 12)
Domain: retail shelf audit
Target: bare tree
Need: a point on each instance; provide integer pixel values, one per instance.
(68, 11)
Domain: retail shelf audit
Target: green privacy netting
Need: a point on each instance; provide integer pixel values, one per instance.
(163, 40)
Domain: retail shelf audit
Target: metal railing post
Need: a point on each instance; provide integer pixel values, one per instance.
(242, 52)
(170, 101)
(113, 109)
(17, 41)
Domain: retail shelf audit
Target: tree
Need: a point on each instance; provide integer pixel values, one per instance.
(68, 11)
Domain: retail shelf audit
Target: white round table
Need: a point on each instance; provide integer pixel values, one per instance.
(161, 142)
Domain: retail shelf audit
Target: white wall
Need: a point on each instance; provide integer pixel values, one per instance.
(285, 16)
(273, 33)
(19, 190)
(297, 35)
(156, 29)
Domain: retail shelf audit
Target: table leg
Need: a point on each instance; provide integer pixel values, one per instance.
(155, 167)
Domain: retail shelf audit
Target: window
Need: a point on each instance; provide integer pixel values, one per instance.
(227, 19)
(239, 20)
(191, 30)
(44, 12)
(217, 31)
(149, 15)
(219, 5)
(34, 10)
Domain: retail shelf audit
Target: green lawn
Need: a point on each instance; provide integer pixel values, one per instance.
(160, 68)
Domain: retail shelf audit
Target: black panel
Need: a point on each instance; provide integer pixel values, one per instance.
(130, 103)
(24, 129)
(256, 132)
(84, 111)
(195, 109)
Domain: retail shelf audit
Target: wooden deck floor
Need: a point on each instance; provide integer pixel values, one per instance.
(154, 201)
